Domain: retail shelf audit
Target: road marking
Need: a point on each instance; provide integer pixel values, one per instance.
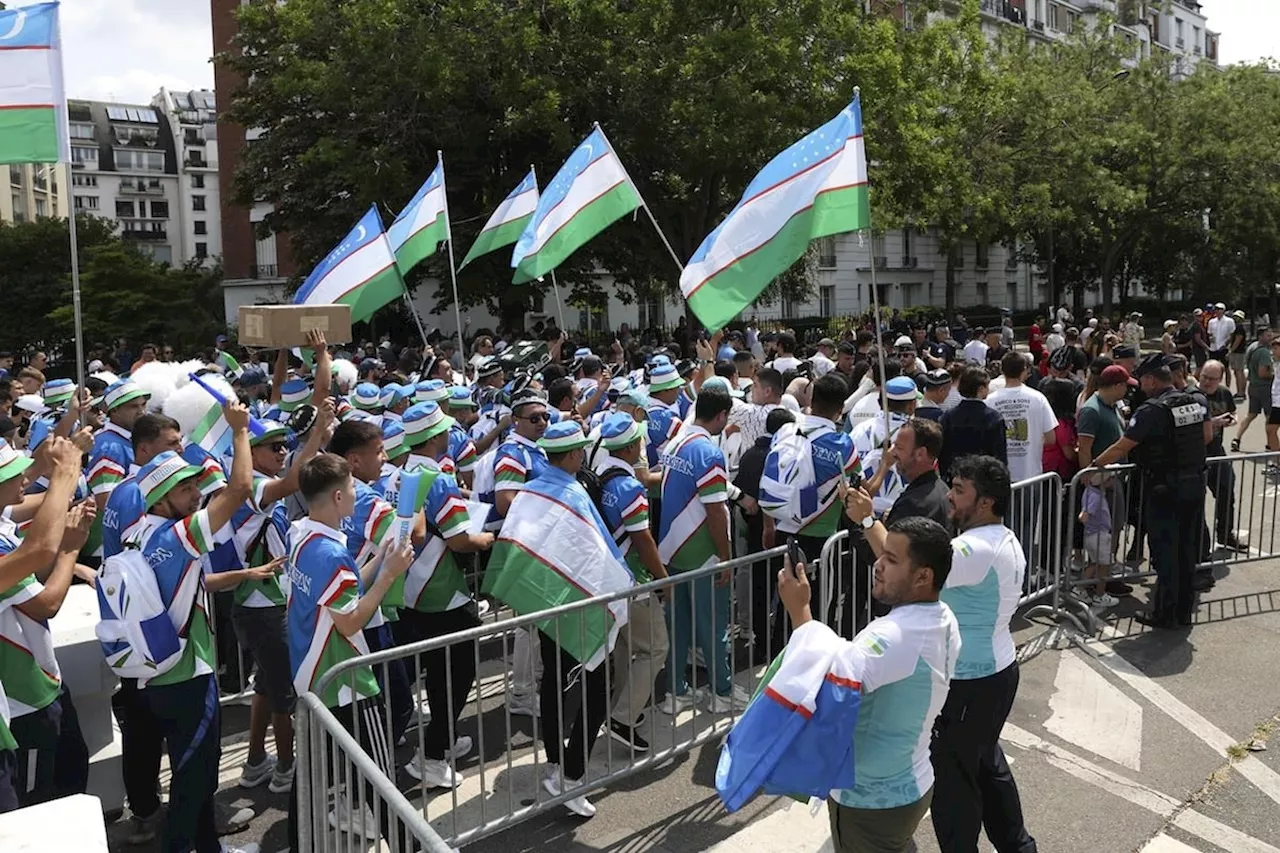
(1188, 820)
(1260, 775)
(1165, 844)
(1092, 713)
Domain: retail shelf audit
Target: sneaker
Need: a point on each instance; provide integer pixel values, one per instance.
(1235, 445)
(421, 715)
(524, 706)
(281, 779)
(735, 701)
(483, 607)
(627, 736)
(460, 749)
(580, 806)
(144, 829)
(432, 772)
(253, 775)
(1103, 600)
(230, 820)
(341, 819)
(247, 847)
(672, 704)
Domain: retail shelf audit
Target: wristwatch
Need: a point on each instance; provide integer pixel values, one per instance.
(868, 522)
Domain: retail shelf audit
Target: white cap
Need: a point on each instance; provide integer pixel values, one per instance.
(1093, 321)
(904, 341)
(1057, 327)
(1220, 306)
(32, 403)
(95, 365)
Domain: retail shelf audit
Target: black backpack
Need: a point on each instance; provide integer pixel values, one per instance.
(594, 484)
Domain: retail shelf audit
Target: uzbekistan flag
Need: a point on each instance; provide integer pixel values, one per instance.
(589, 193)
(361, 272)
(33, 104)
(552, 550)
(423, 225)
(816, 187)
(508, 221)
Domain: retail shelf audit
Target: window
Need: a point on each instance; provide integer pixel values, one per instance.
(141, 161)
(84, 180)
(1053, 17)
(983, 296)
(81, 131)
(197, 182)
(15, 175)
(827, 252)
(650, 313)
(202, 250)
(981, 262)
(86, 202)
(788, 307)
(81, 154)
(956, 257)
(160, 209)
(142, 115)
(197, 202)
(201, 227)
(1011, 295)
(827, 300)
(124, 208)
(42, 207)
(907, 245)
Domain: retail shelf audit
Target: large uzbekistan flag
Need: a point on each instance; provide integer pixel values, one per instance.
(816, 187)
(553, 550)
(33, 105)
(589, 193)
(424, 223)
(508, 221)
(361, 272)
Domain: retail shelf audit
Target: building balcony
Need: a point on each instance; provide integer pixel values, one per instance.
(260, 271)
(195, 162)
(1005, 11)
(144, 229)
(131, 188)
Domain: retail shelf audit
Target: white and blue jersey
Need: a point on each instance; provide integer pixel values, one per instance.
(905, 661)
(834, 457)
(868, 440)
(983, 588)
(111, 459)
(662, 423)
(123, 514)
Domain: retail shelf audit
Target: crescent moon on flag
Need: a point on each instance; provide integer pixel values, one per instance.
(19, 21)
(362, 233)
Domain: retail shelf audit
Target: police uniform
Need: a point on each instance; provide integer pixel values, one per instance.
(1170, 456)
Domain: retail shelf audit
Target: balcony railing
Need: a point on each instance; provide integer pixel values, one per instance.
(1004, 10)
(264, 271)
(131, 188)
(1180, 42)
(1039, 25)
(1196, 50)
(143, 229)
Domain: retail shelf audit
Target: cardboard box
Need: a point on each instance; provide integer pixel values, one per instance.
(287, 325)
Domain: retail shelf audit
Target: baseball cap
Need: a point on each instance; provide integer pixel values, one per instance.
(900, 388)
(902, 342)
(1220, 306)
(1169, 324)
(1124, 351)
(1150, 364)
(827, 342)
(723, 384)
(1115, 375)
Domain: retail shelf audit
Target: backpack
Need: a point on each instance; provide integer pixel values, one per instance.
(136, 634)
(594, 484)
(789, 487)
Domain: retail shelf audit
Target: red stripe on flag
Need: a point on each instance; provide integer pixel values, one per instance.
(844, 682)
(788, 704)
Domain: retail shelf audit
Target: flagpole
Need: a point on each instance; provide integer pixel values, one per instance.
(64, 125)
(554, 286)
(453, 271)
(875, 297)
(643, 203)
(413, 311)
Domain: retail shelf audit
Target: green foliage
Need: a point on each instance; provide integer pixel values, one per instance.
(123, 293)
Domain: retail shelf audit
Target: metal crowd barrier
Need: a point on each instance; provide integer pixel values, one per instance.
(846, 604)
(503, 765)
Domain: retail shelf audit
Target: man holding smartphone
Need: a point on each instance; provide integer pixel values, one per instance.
(1222, 479)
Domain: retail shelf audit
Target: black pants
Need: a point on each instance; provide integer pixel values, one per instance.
(8, 781)
(973, 788)
(141, 748)
(50, 738)
(1175, 516)
(393, 678)
(187, 716)
(583, 700)
(449, 672)
(371, 734)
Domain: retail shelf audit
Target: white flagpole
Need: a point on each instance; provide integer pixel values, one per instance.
(64, 125)
(643, 203)
(453, 272)
(875, 303)
(554, 286)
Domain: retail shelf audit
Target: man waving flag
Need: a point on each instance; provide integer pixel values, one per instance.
(423, 225)
(361, 272)
(507, 222)
(590, 192)
(816, 187)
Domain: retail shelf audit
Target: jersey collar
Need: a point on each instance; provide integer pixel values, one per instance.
(112, 426)
(308, 526)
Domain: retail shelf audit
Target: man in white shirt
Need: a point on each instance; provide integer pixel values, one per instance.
(1028, 417)
(1064, 315)
(1221, 327)
(904, 662)
(749, 418)
(822, 360)
(975, 351)
(1054, 340)
(786, 358)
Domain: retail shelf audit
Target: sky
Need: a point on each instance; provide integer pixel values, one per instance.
(125, 50)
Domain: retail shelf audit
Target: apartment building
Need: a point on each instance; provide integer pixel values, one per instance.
(35, 190)
(192, 116)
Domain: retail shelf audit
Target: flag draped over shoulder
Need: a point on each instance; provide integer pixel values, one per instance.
(361, 272)
(554, 550)
(423, 225)
(816, 187)
(508, 222)
(590, 192)
(33, 103)
(796, 736)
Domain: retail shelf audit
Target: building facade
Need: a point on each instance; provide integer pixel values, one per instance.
(35, 190)
(192, 117)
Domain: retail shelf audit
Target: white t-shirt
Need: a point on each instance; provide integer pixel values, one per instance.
(864, 410)
(783, 363)
(1064, 316)
(982, 590)
(1027, 417)
(1053, 341)
(975, 351)
(821, 364)
(1275, 383)
(1220, 329)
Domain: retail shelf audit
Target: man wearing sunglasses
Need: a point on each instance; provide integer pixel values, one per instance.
(260, 528)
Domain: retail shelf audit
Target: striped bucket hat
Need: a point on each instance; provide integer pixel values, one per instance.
(563, 437)
(664, 376)
(12, 463)
(293, 394)
(431, 391)
(460, 398)
(620, 430)
(367, 396)
(122, 392)
(393, 440)
(394, 394)
(424, 421)
(158, 477)
(58, 392)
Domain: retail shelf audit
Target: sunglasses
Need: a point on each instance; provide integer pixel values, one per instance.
(535, 419)
(277, 447)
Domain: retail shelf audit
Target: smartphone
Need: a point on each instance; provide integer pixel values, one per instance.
(794, 554)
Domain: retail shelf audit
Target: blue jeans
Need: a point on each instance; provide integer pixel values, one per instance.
(699, 612)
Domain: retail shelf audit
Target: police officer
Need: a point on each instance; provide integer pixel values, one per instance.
(1166, 440)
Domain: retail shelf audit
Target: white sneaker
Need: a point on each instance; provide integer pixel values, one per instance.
(432, 772)
(1103, 600)
(460, 749)
(421, 715)
(580, 806)
(253, 775)
(672, 704)
(483, 607)
(524, 706)
(735, 701)
(281, 779)
(248, 847)
(341, 819)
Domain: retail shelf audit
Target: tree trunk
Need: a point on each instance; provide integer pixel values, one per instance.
(951, 287)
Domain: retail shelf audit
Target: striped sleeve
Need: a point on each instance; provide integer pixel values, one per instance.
(342, 593)
(713, 479)
(450, 512)
(466, 459)
(853, 462)
(258, 498)
(211, 477)
(105, 473)
(196, 534)
(20, 593)
(509, 472)
(635, 517)
(379, 522)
